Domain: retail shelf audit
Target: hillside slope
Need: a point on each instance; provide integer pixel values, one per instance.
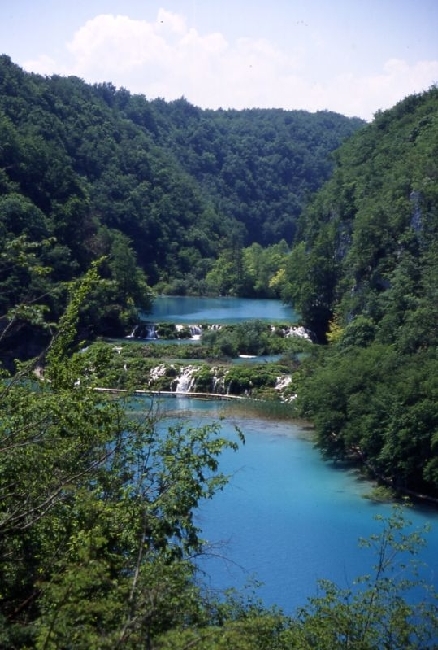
(160, 189)
(365, 275)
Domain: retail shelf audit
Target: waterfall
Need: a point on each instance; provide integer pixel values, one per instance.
(299, 332)
(416, 218)
(218, 385)
(185, 382)
(147, 330)
(282, 382)
(133, 333)
(150, 331)
(143, 331)
(195, 331)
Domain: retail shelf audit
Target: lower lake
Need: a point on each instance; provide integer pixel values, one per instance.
(286, 518)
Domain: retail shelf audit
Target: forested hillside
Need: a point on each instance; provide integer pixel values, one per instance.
(258, 166)
(364, 273)
(161, 190)
(98, 533)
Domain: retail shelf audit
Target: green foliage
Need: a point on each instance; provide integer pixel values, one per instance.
(366, 265)
(247, 272)
(97, 535)
(147, 367)
(97, 530)
(367, 405)
(367, 237)
(308, 284)
(379, 612)
(360, 332)
(97, 502)
(251, 380)
(162, 190)
(251, 337)
(257, 166)
(226, 276)
(261, 265)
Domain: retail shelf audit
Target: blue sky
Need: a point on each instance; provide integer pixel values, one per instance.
(351, 56)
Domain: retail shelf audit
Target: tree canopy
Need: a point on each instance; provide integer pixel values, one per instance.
(98, 541)
(363, 275)
(88, 171)
(103, 194)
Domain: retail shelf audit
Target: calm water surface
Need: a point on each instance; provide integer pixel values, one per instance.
(286, 517)
(192, 310)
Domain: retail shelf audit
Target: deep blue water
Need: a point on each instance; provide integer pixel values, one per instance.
(194, 310)
(287, 518)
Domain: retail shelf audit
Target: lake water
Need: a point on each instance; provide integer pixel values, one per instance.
(193, 310)
(286, 518)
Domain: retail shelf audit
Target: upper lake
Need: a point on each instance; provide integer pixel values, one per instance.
(192, 309)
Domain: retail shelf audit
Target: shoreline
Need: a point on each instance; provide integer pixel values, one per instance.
(420, 498)
(173, 393)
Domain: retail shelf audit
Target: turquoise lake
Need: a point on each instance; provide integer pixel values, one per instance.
(286, 518)
(187, 309)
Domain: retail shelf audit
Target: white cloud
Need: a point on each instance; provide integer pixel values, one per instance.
(167, 21)
(167, 58)
(367, 94)
(44, 65)
(117, 45)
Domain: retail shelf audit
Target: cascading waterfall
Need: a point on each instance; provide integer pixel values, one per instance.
(147, 331)
(150, 331)
(218, 386)
(133, 334)
(143, 331)
(185, 382)
(195, 331)
(194, 379)
(298, 331)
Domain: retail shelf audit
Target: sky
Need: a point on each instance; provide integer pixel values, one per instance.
(354, 57)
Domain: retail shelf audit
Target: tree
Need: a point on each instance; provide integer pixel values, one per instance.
(96, 506)
(380, 611)
(308, 283)
(391, 608)
(261, 266)
(226, 278)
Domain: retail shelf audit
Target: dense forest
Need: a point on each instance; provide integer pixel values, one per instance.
(106, 197)
(364, 275)
(162, 190)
